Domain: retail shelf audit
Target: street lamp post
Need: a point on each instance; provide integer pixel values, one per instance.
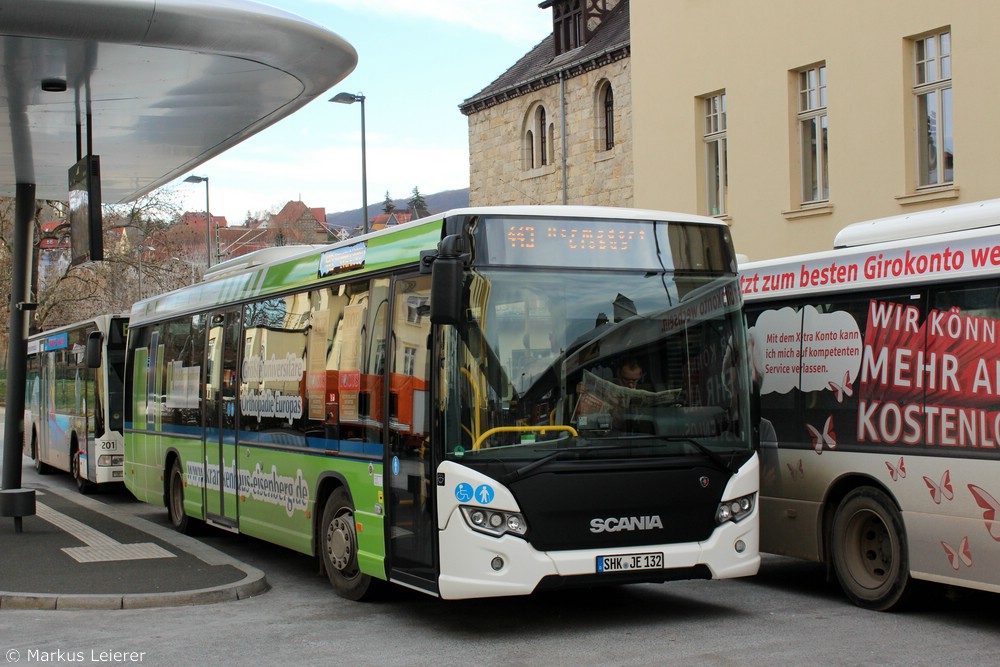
(208, 216)
(351, 98)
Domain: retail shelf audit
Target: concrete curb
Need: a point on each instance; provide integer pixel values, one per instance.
(253, 583)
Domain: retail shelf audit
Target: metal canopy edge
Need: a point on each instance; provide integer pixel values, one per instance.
(168, 84)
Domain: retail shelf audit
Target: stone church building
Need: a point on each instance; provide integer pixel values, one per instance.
(556, 128)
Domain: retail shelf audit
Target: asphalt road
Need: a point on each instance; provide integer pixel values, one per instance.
(787, 615)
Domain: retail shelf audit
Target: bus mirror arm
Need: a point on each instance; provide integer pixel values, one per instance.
(94, 349)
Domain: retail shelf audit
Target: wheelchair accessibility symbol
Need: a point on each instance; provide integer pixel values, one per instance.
(463, 492)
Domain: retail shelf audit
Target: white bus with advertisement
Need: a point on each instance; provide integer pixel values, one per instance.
(878, 379)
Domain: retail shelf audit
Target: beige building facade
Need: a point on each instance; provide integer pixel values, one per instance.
(556, 128)
(792, 119)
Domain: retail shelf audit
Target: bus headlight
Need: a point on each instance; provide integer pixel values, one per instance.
(735, 510)
(494, 522)
(110, 460)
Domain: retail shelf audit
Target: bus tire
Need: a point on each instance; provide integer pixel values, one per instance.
(40, 468)
(83, 485)
(175, 499)
(869, 550)
(339, 547)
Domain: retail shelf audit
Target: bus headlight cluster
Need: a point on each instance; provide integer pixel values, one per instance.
(110, 460)
(494, 522)
(735, 510)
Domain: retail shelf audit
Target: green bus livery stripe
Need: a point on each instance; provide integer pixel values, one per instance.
(385, 251)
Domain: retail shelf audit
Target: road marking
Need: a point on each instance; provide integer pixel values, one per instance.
(100, 548)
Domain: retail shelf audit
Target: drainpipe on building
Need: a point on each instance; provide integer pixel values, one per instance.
(562, 132)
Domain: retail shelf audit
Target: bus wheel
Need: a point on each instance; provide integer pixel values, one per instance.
(869, 550)
(40, 468)
(175, 499)
(339, 548)
(82, 483)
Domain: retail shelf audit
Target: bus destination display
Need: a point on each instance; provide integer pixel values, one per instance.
(572, 242)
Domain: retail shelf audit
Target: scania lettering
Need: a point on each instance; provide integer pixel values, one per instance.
(613, 525)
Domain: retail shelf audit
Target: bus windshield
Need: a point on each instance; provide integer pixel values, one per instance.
(611, 364)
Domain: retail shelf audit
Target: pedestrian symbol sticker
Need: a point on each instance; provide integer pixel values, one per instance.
(484, 494)
(395, 465)
(463, 492)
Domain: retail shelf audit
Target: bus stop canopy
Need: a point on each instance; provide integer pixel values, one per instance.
(153, 87)
(163, 85)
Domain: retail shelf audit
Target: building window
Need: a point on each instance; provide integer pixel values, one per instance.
(537, 139)
(932, 90)
(567, 24)
(409, 360)
(813, 139)
(715, 153)
(416, 307)
(542, 156)
(608, 102)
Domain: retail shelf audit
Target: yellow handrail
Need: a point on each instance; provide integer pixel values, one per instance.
(522, 429)
(476, 397)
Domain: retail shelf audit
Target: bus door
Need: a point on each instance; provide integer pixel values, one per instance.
(409, 468)
(221, 469)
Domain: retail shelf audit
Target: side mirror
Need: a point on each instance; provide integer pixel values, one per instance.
(447, 279)
(447, 276)
(94, 346)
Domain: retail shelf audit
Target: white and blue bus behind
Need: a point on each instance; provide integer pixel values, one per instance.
(74, 400)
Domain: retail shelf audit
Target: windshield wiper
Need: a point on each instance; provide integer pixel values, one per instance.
(711, 454)
(515, 475)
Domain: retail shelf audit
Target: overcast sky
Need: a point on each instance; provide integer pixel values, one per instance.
(417, 61)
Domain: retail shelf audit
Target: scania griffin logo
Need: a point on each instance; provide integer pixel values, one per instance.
(614, 524)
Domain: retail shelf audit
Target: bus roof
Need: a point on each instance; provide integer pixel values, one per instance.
(99, 319)
(275, 270)
(954, 243)
(561, 211)
(921, 223)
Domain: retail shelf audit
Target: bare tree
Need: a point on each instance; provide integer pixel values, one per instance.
(133, 264)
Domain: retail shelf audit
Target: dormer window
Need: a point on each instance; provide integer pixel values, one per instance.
(567, 25)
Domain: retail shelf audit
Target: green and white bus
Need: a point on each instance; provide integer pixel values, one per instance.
(435, 404)
(73, 400)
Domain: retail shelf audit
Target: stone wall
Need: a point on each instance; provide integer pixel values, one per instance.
(594, 176)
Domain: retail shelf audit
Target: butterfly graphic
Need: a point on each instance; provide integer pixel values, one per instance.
(990, 508)
(797, 472)
(942, 489)
(842, 390)
(827, 436)
(896, 471)
(960, 555)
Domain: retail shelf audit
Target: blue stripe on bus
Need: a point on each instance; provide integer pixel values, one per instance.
(274, 440)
